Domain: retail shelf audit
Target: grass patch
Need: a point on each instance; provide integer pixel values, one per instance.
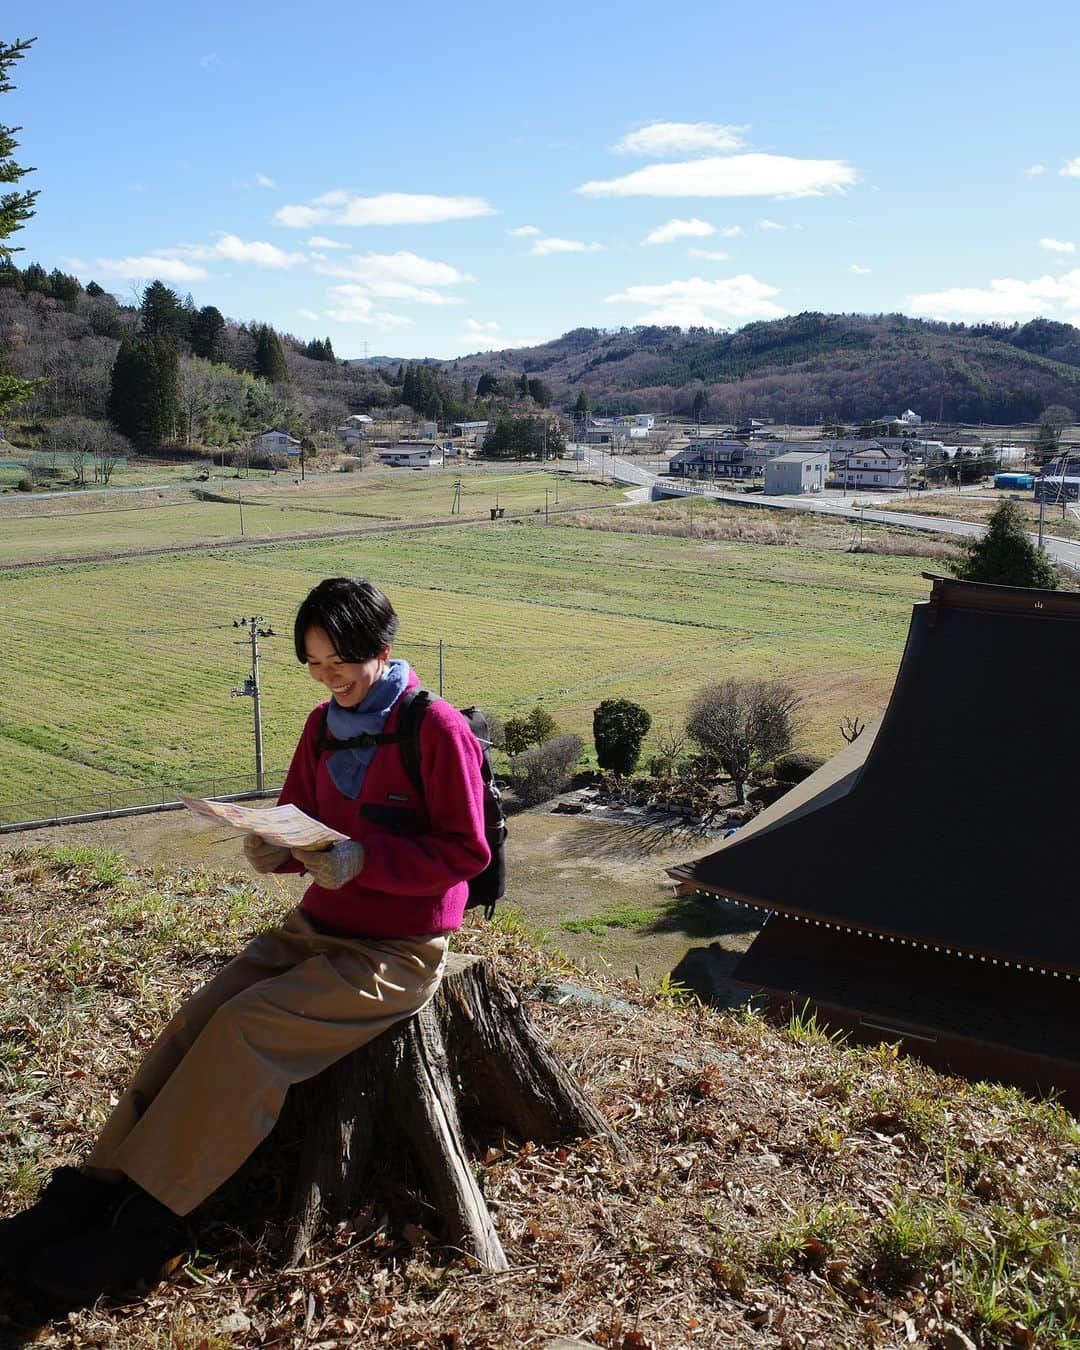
(620, 915)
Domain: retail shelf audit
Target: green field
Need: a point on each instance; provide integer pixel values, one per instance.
(121, 670)
(40, 528)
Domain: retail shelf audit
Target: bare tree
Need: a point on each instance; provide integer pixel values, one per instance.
(78, 437)
(743, 725)
(851, 728)
(111, 450)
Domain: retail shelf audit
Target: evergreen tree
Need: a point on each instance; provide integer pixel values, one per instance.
(619, 727)
(35, 278)
(269, 358)
(94, 291)
(487, 386)
(16, 208)
(582, 405)
(328, 352)
(523, 384)
(206, 331)
(1005, 555)
(160, 313)
(144, 399)
(540, 393)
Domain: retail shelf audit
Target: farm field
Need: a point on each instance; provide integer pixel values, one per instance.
(121, 671)
(968, 506)
(40, 528)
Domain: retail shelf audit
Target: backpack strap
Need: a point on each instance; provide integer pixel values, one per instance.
(414, 705)
(412, 711)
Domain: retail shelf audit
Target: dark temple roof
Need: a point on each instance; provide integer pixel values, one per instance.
(953, 823)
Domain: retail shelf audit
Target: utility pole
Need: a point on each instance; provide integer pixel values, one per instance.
(440, 667)
(546, 491)
(252, 689)
(240, 504)
(455, 509)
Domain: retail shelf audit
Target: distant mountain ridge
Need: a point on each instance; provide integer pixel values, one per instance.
(806, 367)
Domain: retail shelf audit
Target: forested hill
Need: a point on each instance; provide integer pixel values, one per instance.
(808, 366)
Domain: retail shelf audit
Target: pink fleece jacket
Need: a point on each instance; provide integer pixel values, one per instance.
(419, 852)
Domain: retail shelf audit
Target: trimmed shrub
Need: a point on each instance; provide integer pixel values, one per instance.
(795, 767)
(541, 772)
(619, 727)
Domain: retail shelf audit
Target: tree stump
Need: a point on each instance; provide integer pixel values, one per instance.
(395, 1102)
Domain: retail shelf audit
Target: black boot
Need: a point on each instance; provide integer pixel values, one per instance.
(70, 1203)
(143, 1237)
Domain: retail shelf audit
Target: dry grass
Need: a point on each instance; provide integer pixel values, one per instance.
(782, 1190)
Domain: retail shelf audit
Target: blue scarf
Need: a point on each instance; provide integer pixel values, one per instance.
(348, 767)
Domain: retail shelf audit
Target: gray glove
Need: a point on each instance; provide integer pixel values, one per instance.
(262, 854)
(332, 868)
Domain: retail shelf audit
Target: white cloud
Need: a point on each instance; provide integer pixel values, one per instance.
(352, 304)
(210, 60)
(708, 254)
(151, 265)
(731, 231)
(1072, 169)
(523, 231)
(1034, 170)
(388, 208)
(658, 140)
(770, 225)
(1057, 246)
(479, 336)
(696, 301)
(859, 270)
(399, 276)
(265, 182)
(543, 247)
(1005, 298)
(680, 229)
(255, 251)
(308, 314)
(321, 241)
(754, 175)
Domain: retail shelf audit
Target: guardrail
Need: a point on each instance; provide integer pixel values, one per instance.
(139, 799)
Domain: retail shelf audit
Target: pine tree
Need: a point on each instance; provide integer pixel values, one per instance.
(1005, 555)
(269, 358)
(144, 398)
(16, 208)
(328, 352)
(207, 329)
(160, 313)
(582, 405)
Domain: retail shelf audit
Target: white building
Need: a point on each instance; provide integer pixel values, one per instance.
(412, 455)
(469, 429)
(873, 468)
(276, 442)
(796, 472)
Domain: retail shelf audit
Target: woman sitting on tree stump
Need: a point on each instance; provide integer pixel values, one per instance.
(365, 948)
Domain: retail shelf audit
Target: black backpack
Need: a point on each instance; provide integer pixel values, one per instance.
(490, 885)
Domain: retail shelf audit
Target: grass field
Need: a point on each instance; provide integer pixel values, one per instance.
(39, 528)
(967, 506)
(122, 670)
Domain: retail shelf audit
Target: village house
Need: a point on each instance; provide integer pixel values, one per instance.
(796, 472)
(724, 458)
(276, 442)
(412, 455)
(873, 467)
(356, 427)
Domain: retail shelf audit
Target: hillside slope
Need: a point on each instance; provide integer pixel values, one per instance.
(780, 1190)
(802, 368)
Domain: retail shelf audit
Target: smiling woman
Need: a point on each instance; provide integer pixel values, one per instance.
(365, 948)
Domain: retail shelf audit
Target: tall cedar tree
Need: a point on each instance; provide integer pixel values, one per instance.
(144, 397)
(1005, 555)
(161, 313)
(207, 328)
(16, 208)
(269, 358)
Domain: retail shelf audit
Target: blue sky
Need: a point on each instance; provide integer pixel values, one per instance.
(430, 180)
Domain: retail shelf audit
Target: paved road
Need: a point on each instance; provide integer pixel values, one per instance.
(1063, 551)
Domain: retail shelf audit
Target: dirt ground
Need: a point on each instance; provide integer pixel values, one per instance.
(562, 869)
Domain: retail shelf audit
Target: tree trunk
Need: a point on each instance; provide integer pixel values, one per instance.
(392, 1108)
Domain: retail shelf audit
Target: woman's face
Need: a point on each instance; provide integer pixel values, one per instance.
(348, 681)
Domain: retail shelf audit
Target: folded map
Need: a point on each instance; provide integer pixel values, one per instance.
(285, 825)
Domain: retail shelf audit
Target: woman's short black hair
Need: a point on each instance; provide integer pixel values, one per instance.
(355, 615)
